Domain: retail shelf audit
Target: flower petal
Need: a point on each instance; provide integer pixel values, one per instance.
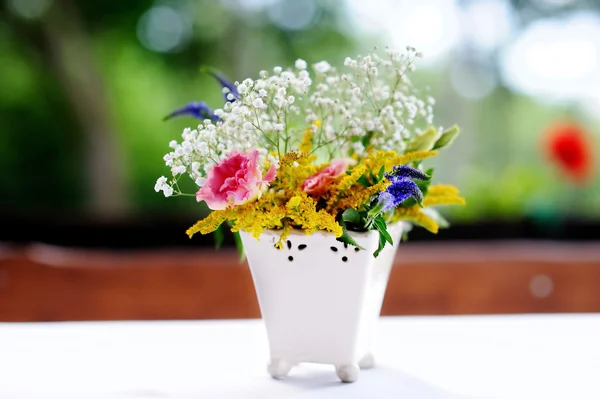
(196, 109)
(225, 83)
(270, 175)
(406, 172)
(402, 189)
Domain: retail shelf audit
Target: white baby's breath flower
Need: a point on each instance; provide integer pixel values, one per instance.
(178, 170)
(300, 64)
(200, 181)
(322, 67)
(160, 182)
(167, 190)
(258, 103)
(273, 160)
(371, 94)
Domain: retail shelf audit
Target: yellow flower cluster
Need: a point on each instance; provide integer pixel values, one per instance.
(441, 194)
(285, 206)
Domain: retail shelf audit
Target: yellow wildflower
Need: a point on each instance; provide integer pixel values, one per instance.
(442, 189)
(416, 215)
(443, 200)
(208, 224)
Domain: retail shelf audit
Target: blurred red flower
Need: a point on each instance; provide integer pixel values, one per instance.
(568, 147)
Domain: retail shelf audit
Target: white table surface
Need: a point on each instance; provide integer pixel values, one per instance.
(528, 356)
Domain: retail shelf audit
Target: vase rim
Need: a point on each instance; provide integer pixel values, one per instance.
(301, 233)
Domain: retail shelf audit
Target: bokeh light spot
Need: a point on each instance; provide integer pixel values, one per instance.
(29, 9)
(163, 29)
(293, 14)
(487, 24)
(541, 286)
(472, 80)
(556, 59)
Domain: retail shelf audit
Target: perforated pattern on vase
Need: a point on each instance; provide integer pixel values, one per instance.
(301, 247)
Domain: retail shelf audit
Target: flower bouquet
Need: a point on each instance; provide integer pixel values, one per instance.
(320, 175)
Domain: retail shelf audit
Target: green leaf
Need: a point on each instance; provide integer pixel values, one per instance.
(447, 137)
(382, 227)
(346, 238)
(364, 182)
(366, 140)
(382, 242)
(424, 184)
(351, 215)
(373, 177)
(424, 141)
(381, 173)
(239, 245)
(219, 236)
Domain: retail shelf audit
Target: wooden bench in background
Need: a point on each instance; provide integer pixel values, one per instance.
(45, 283)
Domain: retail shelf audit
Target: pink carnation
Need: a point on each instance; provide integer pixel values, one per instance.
(318, 183)
(234, 181)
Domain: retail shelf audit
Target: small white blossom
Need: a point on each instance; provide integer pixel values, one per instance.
(167, 191)
(160, 182)
(178, 170)
(258, 103)
(322, 67)
(300, 64)
(370, 94)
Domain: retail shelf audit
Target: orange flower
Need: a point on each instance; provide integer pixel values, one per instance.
(569, 148)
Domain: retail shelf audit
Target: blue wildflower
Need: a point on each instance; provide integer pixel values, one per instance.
(406, 172)
(225, 83)
(201, 110)
(401, 189)
(196, 109)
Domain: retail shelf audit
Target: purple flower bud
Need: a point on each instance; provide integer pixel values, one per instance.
(402, 189)
(406, 172)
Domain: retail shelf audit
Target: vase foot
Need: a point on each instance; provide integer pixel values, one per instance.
(367, 362)
(347, 372)
(279, 369)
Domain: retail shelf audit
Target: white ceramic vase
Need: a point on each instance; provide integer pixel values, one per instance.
(320, 299)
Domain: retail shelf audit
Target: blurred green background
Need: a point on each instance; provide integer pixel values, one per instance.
(84, 86)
